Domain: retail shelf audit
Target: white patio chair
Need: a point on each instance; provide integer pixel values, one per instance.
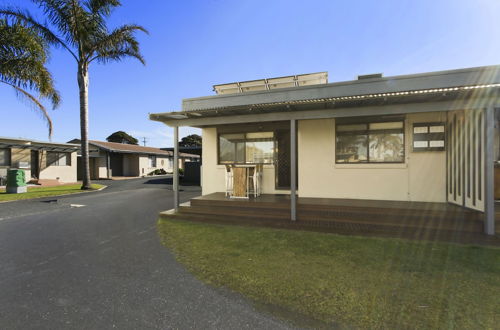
(260, 172)
(254, 180)
(229, 180)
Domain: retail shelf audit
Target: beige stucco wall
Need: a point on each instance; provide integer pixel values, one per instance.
(162, 162)
(61, 173)
(213, 177)
(145, 169)
(131, 165)
(427, 170)
(421, 178)
(101, 164)
(21, 155)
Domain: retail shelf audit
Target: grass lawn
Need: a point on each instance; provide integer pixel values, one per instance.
(37, 192)
(371, 283)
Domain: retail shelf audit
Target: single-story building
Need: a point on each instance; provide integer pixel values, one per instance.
(429, 137)
(40, 160)
(110, 159)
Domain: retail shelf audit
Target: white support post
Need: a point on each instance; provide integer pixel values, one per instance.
(489, 171)
(108, 165)
(176, 169)
(293, 170)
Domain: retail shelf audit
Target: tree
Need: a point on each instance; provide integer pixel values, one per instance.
(122, 137)
(193, 140)
(79, 27)
(23, 55)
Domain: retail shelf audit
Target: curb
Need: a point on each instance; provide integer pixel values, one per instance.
(70, 194)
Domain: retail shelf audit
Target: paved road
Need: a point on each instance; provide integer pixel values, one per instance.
(101, 266)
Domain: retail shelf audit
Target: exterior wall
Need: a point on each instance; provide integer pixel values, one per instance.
(161, 163)
(101, 164)
(427, 170)
(21, 155)
(213, 175)
(421, 178)
(61, 173)
(164, 163)
(131, 165)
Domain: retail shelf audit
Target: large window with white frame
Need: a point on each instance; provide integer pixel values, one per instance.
(246, 148)
(370, 142)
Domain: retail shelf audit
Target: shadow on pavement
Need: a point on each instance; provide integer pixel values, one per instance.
(169, 181)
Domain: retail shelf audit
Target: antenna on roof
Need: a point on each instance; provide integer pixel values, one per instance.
(144, 139)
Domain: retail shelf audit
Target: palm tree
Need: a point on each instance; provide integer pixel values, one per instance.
(79, 26)
(23, 55)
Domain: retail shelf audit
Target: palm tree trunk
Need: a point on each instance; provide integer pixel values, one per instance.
(83, 84)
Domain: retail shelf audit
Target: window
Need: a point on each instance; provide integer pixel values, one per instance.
(152, 161)
(58, 159)
(4, 157)
(246, 148)
(371, 142)
(428, 137)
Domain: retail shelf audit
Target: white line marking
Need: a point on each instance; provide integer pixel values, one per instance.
(77, 205)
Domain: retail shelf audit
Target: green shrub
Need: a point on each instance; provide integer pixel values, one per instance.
(158, 171)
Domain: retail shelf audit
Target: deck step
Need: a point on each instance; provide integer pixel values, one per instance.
(392, 216)
(327, 211)
(415, 221)
(345, 227)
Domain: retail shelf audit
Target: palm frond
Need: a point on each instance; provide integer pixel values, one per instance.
(118, 44)
(42, 28)
(118, 38)
(23, 55)
(35, 103)
(102, 8)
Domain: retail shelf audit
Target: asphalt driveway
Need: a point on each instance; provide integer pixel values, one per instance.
(94, 261)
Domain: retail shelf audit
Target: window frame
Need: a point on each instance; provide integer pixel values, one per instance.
(367, 122)
(152, 161)
(273, 140)
(428, 135)
(68, 158)
(8, 156)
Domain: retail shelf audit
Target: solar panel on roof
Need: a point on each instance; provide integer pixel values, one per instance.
(307, 79)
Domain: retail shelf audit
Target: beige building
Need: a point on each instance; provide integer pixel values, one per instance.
(419, 138)
(39, 160)
(110, 159)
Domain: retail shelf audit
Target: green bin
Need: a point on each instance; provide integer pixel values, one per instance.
(16, 181)
(16, 178)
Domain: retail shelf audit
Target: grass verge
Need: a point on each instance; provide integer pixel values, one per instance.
(344, 280)
(37, 192)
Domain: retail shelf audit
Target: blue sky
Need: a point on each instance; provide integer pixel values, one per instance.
(194, 44)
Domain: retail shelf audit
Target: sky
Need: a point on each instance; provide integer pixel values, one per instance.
(194, 44)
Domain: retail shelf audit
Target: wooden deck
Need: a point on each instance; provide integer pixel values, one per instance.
(414, 220)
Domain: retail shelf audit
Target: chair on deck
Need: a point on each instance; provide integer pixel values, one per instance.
(229, 180)
(260, 172)
(254, 180)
